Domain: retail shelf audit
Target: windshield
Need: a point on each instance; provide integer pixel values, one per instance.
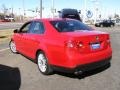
(69, 25)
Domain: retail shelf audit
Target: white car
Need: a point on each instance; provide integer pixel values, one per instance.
(118, 22)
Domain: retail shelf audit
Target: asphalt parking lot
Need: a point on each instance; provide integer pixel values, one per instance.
(10, 25)
(29, 77)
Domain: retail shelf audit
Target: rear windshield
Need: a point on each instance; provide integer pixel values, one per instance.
(69, 25)
(72, 16)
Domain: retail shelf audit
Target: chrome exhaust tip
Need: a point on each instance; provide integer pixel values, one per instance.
(78, 72)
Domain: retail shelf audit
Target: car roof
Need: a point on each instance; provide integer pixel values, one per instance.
(69, 11)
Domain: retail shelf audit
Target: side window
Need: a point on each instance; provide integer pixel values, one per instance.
(38, 28)
(25, 27)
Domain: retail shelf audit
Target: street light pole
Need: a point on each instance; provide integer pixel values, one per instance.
(53, 8)
(95, 2)
(23, 10)
(40, 8)
(19, 14)
(84, 11)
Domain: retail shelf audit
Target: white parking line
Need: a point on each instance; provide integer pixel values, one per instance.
(2, 50)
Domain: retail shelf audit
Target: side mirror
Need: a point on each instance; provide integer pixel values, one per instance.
(15, 31)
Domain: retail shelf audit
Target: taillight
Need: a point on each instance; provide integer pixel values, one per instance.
(108, 40)
(74, 44)
(70, 44)
(80, 44)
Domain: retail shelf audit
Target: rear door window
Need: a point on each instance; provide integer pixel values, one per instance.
(37, 28)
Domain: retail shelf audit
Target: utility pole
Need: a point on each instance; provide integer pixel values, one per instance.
(52, 9)
(40, 8)
(20, 14)
(24, 10)
(96, 4)
(84, 11)
(12, 11)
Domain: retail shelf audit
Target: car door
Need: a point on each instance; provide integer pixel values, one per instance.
(34, 38)
(22, 38)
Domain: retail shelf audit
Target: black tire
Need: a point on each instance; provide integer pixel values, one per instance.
(101, 25)
(12, 47)
(42, 59)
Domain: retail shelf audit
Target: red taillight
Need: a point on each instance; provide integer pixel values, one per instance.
(70, 44)
(79, 44)
(108, 40)
(74, 44)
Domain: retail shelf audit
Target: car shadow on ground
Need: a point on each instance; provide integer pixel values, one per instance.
(84, 74)
(10, 78)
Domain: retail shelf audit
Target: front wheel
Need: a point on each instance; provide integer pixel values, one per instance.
(12, 46)
(43, 65)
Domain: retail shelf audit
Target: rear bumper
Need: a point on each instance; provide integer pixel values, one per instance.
(75, 59)
(85, 67)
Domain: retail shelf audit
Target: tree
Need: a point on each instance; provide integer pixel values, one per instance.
(4, 9)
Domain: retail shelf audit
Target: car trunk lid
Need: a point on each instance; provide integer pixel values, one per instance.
(88, 41)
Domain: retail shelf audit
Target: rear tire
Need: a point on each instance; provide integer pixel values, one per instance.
(43, 64)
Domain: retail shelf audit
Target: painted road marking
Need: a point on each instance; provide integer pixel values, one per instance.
(2, 50)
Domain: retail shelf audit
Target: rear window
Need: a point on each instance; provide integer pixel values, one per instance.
(72, 16)
(69, 25)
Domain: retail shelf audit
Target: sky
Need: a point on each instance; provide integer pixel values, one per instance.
(106, 7)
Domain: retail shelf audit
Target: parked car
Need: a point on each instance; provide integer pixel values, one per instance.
(6, 18)
(62, 44)
(117, 22)
(9, 19)
(104, 23)
(70, 13)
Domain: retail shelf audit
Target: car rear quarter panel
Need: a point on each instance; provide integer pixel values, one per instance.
(54, 46)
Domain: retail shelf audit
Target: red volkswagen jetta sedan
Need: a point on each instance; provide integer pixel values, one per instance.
(62, 44)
